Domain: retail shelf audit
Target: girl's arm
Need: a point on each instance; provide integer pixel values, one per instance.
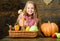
(20, 19)
(19, 12)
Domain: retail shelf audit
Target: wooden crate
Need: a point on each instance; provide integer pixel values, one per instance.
(22, 34)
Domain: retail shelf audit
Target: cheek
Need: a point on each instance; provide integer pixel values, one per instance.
(27, 10)
(33, 10)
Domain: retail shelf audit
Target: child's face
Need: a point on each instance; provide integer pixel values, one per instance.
(30, 9)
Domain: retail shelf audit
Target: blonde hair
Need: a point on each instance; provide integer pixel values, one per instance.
(35, 9)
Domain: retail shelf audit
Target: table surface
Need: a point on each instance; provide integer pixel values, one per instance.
(29, 39)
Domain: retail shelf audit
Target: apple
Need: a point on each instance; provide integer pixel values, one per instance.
(53, 35)
(58, 35)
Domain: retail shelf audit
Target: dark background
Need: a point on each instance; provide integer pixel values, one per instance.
(9, 13)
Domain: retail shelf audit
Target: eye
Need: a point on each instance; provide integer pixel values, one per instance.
(28, 8)
(32, 8)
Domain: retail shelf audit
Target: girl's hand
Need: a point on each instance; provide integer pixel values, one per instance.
(19, 11)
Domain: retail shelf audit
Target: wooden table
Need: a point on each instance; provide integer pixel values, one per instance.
(29, 39)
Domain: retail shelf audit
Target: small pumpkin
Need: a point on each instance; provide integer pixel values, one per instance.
(49, 28)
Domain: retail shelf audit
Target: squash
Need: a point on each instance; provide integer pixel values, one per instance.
(33, 28)
(16, 27)
(49, 28)
(27, 28)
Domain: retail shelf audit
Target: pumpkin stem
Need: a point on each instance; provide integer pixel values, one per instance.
(48, 21)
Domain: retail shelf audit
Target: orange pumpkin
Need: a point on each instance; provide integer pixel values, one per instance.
(49, 28)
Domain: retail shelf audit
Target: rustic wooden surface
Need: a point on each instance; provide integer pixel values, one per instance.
(29, 39)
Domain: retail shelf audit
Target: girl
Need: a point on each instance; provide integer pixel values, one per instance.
(28, 17)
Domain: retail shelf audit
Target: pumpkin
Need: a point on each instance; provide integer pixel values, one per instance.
(16, 27)
(49, 28)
